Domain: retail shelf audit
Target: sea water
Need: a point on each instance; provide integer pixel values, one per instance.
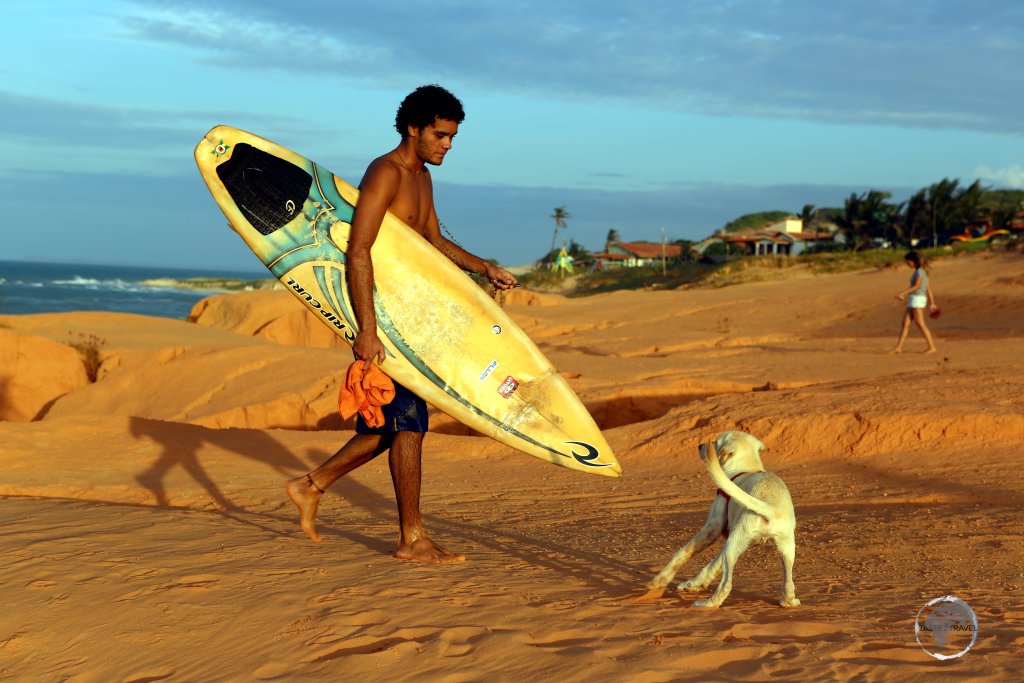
(28, 287)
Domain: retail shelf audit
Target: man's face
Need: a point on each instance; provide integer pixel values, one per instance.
(434, 141)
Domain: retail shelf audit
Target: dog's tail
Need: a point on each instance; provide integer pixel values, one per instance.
(710, 457)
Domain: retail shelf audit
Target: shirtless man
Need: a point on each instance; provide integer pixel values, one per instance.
(428, 120)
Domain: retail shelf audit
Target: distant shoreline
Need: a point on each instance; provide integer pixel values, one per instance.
(214, 284)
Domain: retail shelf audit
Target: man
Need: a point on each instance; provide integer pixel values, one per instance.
(428, 120)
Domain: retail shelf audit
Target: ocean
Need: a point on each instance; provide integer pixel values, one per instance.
(27, 287)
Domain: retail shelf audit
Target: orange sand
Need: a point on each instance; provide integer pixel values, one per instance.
(146, 535)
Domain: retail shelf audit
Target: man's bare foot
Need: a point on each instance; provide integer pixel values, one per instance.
(425, 550)
(306, 497)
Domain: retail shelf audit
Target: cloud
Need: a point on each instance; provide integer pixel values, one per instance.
(45, 133)
(1011, 177)
(933, 64)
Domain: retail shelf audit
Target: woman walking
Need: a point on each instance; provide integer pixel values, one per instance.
(919, 296)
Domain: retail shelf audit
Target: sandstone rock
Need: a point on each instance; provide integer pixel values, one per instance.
(34, 372)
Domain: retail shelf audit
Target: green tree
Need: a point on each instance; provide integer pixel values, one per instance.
(754, 221)
(868, 216)
(808, 214)
(613, 236)
(560, 215)
(951, 206)
(917, 217)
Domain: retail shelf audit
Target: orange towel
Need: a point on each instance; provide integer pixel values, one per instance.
(364, 392)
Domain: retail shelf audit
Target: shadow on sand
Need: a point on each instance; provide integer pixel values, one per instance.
(180, 444)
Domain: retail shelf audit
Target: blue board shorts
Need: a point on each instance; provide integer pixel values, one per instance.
(407, 412)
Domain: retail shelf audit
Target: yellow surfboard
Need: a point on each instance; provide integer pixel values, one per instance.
(446, 340)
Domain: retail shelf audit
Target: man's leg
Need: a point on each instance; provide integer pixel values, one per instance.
(406, 472)
(305, 491)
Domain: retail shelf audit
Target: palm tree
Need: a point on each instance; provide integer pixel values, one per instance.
(613, 236)
(559, 215)
(940, 200)
(951, 205)
(867, 216)
(917, 218)
(807, 215)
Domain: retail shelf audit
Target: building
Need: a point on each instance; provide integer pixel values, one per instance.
(635, 254)
(782, 237)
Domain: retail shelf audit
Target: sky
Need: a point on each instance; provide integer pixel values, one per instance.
(647, 117)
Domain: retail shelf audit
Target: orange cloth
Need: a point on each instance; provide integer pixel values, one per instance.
(364, 392)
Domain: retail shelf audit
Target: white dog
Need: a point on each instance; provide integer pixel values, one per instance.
(752, 506)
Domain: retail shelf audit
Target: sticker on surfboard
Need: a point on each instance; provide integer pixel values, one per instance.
(488, 370)
(508, 387)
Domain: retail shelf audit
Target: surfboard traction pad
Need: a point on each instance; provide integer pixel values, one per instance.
(267, 189)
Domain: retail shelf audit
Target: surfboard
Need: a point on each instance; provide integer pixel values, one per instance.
(446, 339)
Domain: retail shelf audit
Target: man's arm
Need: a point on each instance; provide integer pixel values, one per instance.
(376, 192)
(499, 277)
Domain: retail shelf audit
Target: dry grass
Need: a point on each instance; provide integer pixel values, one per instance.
(88, 347)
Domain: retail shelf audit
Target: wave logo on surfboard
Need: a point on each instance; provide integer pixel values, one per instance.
(588, 457)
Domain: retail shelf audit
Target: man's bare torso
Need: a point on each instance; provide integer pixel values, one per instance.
(413, 201)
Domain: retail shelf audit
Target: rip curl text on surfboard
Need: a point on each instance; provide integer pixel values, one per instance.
(301, 291)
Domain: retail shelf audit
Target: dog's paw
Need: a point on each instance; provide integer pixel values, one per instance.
(789, 602)
(704, 603)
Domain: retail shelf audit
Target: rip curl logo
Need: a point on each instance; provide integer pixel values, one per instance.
(329, 316)
(587, 458)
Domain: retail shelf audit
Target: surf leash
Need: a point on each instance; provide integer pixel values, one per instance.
(497, 294)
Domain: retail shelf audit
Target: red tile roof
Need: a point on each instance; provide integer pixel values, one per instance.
(650, 249)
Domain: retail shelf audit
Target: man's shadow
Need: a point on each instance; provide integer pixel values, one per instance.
(181, 443)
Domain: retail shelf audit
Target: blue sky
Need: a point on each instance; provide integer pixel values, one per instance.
(635, 115)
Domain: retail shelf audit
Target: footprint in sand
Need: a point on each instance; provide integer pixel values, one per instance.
(372, 646)
(274, 670)
(159, 674)
(197, 582)
(461, 640)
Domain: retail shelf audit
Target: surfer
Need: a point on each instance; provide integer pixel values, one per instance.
(428, 120)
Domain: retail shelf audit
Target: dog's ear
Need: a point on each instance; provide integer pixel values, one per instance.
(730, 443)
(725, 444)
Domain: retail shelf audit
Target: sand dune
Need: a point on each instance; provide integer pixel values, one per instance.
(146, 534)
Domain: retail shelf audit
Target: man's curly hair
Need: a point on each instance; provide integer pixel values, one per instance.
(425, 104)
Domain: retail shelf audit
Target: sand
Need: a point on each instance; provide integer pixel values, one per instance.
(146, 535)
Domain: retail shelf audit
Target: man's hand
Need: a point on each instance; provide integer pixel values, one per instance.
(368, 347)
(501, 278)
